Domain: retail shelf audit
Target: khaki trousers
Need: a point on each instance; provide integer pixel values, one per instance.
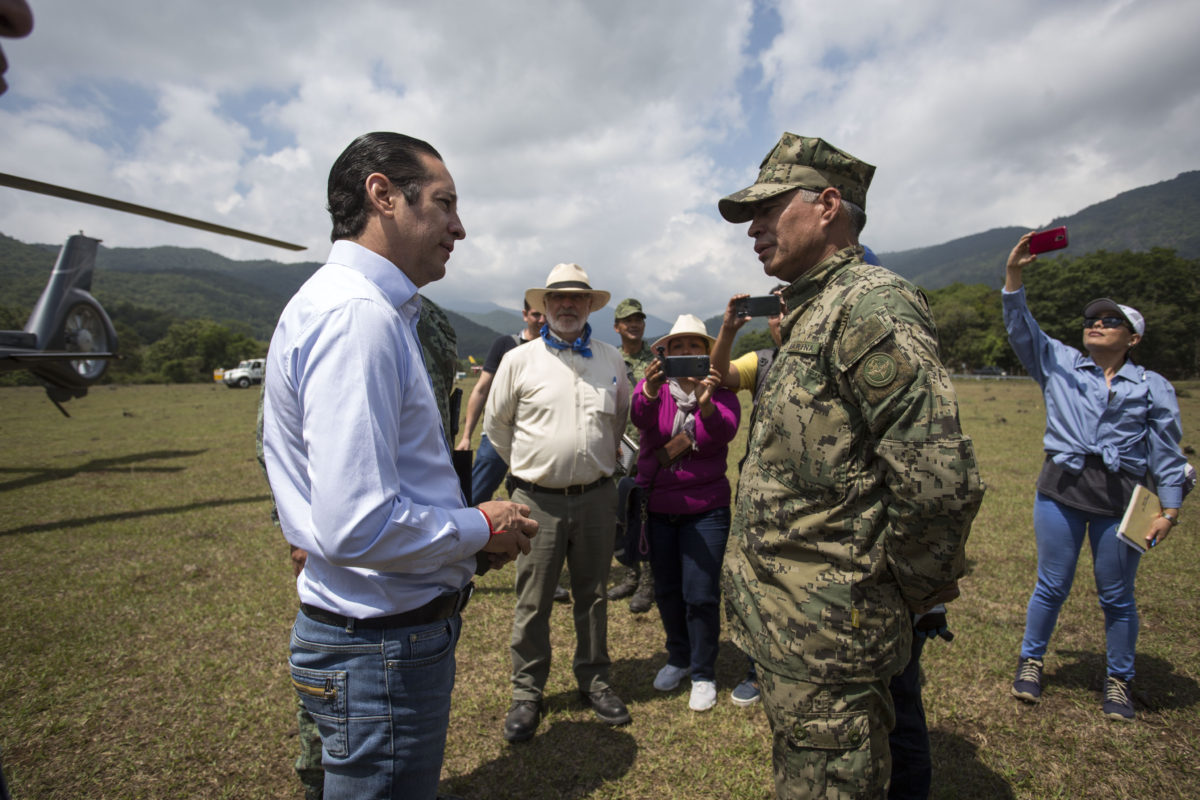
(577, 530)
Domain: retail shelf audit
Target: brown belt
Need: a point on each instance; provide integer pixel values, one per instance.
(441, 607)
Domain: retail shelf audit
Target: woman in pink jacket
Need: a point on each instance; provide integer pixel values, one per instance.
(688, 504)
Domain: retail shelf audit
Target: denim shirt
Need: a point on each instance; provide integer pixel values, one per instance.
(1132, 425)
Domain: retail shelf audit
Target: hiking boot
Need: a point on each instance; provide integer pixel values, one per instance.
(704, 695)
(626, 587)
(1118, 699)
(668, 677)
(522, 720)
(607, 705)
(745, 693)
(643, 596)
(1027, 685)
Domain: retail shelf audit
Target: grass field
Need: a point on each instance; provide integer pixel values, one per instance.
(147, 601)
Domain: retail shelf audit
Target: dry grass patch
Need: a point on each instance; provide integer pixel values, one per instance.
(148, 603)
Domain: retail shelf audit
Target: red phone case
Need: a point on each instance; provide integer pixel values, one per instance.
(1045, 241)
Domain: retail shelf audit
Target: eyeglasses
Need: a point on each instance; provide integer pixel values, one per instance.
(1105, 322)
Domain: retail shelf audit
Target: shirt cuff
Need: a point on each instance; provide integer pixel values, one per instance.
(472, 528)
(1170, 496)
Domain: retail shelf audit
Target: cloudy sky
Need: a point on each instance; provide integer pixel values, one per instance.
(599, 132)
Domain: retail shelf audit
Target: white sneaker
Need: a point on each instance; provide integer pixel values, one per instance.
(669, 677)
(704, 695)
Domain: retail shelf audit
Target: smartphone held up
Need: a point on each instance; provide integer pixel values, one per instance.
(765, 306)
(1045, 241)
(683, 366)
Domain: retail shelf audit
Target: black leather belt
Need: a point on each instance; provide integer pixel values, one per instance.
(579, 488)
(441, 607)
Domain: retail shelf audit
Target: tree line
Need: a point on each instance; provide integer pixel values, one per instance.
(157, 347)
(1164, 287)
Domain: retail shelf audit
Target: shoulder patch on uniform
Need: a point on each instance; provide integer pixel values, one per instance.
(861, 338)
(879, 370)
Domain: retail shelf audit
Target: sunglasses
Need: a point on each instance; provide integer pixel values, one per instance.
(1105, 322)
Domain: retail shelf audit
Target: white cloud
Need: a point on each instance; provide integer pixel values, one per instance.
(601, 133)
(994, 114)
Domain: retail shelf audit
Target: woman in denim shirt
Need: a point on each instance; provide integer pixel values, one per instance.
(1110, 425)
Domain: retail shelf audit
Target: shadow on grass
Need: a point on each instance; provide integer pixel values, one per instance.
(82, 522)
(553, 764)
(958, 772)
(123, 464)
(1158, 686)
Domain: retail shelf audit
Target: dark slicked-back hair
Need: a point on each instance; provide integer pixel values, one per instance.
(393, 154)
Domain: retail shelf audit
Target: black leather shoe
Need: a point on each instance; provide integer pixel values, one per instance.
(561, 595)
(522, 720)
(608, 706)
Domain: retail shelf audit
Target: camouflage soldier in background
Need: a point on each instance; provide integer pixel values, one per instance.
(629, 321)
(439, 346)
(859, 488)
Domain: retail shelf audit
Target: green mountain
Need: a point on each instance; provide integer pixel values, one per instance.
(1161, 215)
(147, 288)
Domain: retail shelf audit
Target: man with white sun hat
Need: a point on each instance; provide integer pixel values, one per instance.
(556, 413)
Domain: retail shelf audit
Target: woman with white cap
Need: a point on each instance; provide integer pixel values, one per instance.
(1110, 425)
(686, 425)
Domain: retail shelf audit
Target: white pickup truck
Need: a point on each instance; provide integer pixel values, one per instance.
(244, 374)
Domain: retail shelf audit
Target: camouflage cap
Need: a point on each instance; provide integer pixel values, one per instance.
(627, 308)
(801, 162)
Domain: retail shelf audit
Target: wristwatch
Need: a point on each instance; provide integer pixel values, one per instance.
(1171, 519)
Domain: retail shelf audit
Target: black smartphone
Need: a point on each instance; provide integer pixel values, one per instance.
(1045, 241)
(685, 366)
(766, 306)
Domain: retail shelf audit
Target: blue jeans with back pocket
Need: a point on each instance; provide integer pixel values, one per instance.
(381, 699)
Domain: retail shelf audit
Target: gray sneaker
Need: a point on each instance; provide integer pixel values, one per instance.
(1027, 685)
(745, 693)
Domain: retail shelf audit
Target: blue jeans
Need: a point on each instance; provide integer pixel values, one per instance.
(487, 473)
(381, 699)
(686, 551)
(1060, 530)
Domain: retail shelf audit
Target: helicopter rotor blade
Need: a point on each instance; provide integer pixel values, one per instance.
(50, 189)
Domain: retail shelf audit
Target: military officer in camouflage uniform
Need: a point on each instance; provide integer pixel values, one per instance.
(629, 321)
(859, 488)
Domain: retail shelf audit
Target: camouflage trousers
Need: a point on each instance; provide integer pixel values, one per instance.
(308, 763)
(830, 740)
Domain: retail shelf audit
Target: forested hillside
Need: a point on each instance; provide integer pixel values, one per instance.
(1164, 287)
(180, 312)
(1162, 215)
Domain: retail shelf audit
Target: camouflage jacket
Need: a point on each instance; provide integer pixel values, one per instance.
(635, 365)
(859, 488)
(439, 346)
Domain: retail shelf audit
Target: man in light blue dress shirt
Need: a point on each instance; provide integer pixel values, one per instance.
(361, 471)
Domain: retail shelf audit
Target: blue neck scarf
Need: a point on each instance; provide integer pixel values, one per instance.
(582, 345)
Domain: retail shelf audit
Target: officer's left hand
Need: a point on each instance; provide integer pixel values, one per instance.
(932, 624)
